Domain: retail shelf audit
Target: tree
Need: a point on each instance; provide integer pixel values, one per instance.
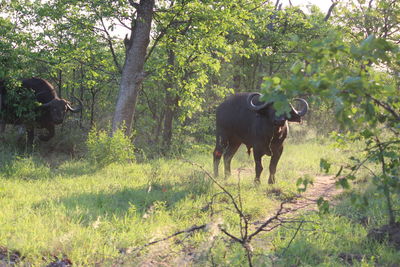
(132, 71)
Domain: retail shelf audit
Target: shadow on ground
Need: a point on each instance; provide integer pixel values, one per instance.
(86, 208)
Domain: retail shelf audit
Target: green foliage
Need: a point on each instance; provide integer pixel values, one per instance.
(304, 182)
(323, 205)
(324, 165)
(365, 100)
(104, 149)
(20, 103)
(13, 51)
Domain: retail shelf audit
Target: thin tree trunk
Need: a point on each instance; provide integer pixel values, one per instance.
(157, 132)
(132, 72)
(81, 94)
(92, 106)
(59, 80)
(169, 104)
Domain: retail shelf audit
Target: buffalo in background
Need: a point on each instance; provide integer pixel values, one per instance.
(243, 119)
(50, 113)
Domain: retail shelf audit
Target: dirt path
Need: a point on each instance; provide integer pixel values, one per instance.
(324, 186)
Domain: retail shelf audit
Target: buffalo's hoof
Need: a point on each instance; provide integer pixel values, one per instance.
(257, 181)
(271, 179)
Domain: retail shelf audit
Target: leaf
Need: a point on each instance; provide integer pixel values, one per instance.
(366, 134)
(323, 205)
(305, 181)
(343, 183)
(324, 165)
(296, 67)
(276, 80)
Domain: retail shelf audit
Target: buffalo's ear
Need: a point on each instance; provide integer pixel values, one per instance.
(293, 117)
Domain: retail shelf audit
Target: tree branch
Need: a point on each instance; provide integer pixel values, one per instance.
(189, 230)
(293, 237)
(386, 106)
(328, 14)
(261, 228)
(133, 4)
(110, 45)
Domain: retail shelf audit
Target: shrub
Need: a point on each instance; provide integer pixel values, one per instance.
(104, 148)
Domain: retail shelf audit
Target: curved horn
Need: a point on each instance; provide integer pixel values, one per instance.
(252, 106)
(302, 112)
(74, 110)
(48, 103)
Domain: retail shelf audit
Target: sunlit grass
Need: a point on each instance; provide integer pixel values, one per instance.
(93, 215)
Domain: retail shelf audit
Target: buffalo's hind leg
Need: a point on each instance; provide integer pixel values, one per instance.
(218, 151)
(228, 155)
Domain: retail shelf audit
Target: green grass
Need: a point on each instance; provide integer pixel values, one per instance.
(89, 214)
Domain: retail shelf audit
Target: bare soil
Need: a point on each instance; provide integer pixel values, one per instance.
(323, 186)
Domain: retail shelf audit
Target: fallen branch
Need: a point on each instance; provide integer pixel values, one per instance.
(189, 230)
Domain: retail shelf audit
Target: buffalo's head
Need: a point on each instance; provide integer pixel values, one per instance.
(58, 107)
(294, 115)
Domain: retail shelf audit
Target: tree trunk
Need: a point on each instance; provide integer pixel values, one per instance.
(132, 72)
(170, 103)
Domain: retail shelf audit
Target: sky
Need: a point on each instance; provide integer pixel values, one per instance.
(322, 4)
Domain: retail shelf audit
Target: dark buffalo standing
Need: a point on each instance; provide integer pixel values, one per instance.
(242, 119)
(51, 112)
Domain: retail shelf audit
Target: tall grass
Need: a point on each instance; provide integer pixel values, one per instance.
(98, 214)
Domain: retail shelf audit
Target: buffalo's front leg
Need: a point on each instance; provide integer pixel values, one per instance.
(276, 155)
(228, 155)
(221, 143)
(258, 161)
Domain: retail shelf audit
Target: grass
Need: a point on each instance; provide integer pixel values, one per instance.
(97, 215)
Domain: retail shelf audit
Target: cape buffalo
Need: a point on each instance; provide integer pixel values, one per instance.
(243, 119)
(51, 111)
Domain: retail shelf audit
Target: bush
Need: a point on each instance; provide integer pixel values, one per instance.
(104, 148)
